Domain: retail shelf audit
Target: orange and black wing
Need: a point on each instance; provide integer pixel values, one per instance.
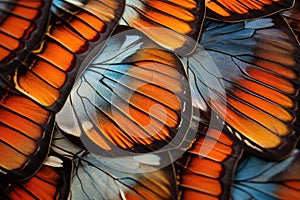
(51, 181)
(25, 134)
(175, 24)
(248, 73)
(207, 169)
(134, 97)
(23, 24)
(292, 16)
(237, 10)
(259, 179)
(76, 33)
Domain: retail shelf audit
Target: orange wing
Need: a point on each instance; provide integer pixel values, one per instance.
(174, 24)
(206, 170)
(22, 27)
(258, 72)
(76, 28)
(25, 134)
(293, 18)
(134, 97)
(45, 78)
(49, 182)
(237, 10)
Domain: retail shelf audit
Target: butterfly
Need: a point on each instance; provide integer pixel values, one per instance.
(175, 24)
(22, 27)
(133, 98)
(249, 77)
(51, 181)
(259, 179)
(236, 10)
(33, 92)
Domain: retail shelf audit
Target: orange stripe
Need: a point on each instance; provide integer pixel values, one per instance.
(272, 80)
(9, 42)
(21, 124)
(71, 40)
(12, 159)
(62, 58)
(205, 167)
(27, 13)
(271, 94)
(273, 124)
(25, 107)
(5, 55)
(38, 89)
(17, 140)
(49, 73)
(21, 28)
(44, 191)
(276, 110)
(200, 183)
(93, 21)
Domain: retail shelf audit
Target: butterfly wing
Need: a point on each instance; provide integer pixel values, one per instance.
(206, 170)
(134, 177)
(134, 97)
(51, 181)
(250, 77)
(42, 83)
(75, 30)
(259, 179)
(175, 24)
(25, 135)
(236, 10)
(22, 27)
(95, 180)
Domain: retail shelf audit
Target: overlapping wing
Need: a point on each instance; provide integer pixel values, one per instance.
(51, 181)
(134, 177)
(257, 64)
(207, 169)
(134, 97)
(175, 24)
(39, 87)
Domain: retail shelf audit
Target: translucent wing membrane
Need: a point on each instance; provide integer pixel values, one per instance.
(175, 24)
(259, 179)
(94, 180)
(237, 10)
(134, 177)
(134, 97)
(22, 27)
(44, 80)
(257, 63)
(206, 170)
(293, 18)
(52, 181)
